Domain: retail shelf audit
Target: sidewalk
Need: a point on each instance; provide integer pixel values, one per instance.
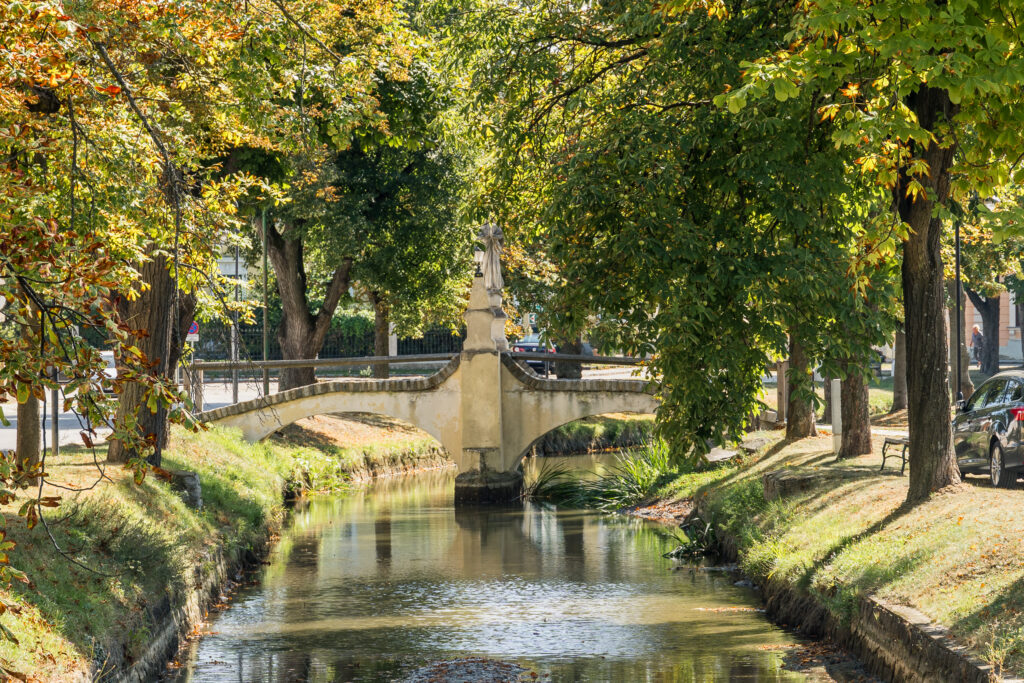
(875, 431)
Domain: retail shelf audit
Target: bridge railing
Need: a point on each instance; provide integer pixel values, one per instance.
(212, 366)
(194, 373)
(576, 358)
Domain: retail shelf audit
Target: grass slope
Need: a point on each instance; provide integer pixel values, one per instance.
(959, 557)
(150, 547)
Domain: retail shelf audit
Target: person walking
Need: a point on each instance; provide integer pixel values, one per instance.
(977, 341)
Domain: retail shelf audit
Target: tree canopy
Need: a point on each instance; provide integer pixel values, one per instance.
(664, 213)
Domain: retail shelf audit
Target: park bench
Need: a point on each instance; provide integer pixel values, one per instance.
(903, 442)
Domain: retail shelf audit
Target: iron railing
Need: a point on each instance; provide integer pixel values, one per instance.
(215, 343)
(218, 365)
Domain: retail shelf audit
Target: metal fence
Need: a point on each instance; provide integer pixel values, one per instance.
(215, 343)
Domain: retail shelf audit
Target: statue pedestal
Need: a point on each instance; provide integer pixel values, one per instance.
(483, 478)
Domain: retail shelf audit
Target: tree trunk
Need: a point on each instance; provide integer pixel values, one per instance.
(301, 334)
(799, 411)
(569, 369)
(826, 418)
(966, 385)
(989, 308)
(29, 433)
(931, 458)
(161, 338)
(381, 332)
(899, 372)
(1020, 327)
(853, 405)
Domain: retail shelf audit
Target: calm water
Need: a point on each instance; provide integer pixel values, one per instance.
(370, 585)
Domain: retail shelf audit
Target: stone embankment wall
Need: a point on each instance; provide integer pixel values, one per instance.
(894, 642)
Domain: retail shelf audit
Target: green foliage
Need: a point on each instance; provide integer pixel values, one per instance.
(658, 214)
(634, 477)
(386, 199)
(698, 540)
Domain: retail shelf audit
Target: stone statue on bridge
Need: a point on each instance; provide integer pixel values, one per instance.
(494, 241)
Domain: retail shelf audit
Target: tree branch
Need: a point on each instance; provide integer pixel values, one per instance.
(339, 285)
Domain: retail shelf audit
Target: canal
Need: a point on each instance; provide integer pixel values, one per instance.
(375, 583)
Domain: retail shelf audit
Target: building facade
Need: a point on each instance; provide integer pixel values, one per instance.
(1009, 326)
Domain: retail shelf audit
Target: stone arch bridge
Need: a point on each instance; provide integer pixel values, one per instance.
(484, 406)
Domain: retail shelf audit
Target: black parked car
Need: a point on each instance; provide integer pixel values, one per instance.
(987, 430)
(532, 344)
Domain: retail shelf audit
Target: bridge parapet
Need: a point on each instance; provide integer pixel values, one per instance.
(335, 386)
(533, 381)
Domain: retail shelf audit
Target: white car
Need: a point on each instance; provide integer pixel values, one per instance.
(111, 369)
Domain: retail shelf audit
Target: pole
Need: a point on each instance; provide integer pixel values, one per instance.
(234, 336)
(266, 346)
(959, 294)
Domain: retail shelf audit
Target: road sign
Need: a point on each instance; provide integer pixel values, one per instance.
(193, 332)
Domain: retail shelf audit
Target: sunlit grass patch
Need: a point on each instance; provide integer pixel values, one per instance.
(958, 557)
(147, 543)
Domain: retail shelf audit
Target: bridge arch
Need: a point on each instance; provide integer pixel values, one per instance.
(428, 403)
(540, 438)
(537, 406)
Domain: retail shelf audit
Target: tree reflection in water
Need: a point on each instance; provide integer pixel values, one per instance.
(370, 585)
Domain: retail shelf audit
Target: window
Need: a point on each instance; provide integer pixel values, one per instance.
(995, 395)
(988, 394)
(1015, 392)
(977, 399)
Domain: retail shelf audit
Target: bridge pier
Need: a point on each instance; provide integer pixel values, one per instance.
(486, 474)
(482, 486)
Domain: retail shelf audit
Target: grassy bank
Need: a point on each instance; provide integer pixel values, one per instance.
(151, 549)
(599, 433)
(959, 557)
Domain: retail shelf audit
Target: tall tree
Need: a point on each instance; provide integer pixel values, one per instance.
(651, 203)
(377, 213)
(856, 435)
(402, 197)
(928, 92)
(988, 307)
(800, 409)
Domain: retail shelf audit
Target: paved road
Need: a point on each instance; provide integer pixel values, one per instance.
(215, 395)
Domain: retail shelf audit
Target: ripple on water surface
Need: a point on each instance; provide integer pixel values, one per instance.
(374, 584)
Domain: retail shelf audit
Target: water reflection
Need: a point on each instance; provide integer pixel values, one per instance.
(371, 585)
